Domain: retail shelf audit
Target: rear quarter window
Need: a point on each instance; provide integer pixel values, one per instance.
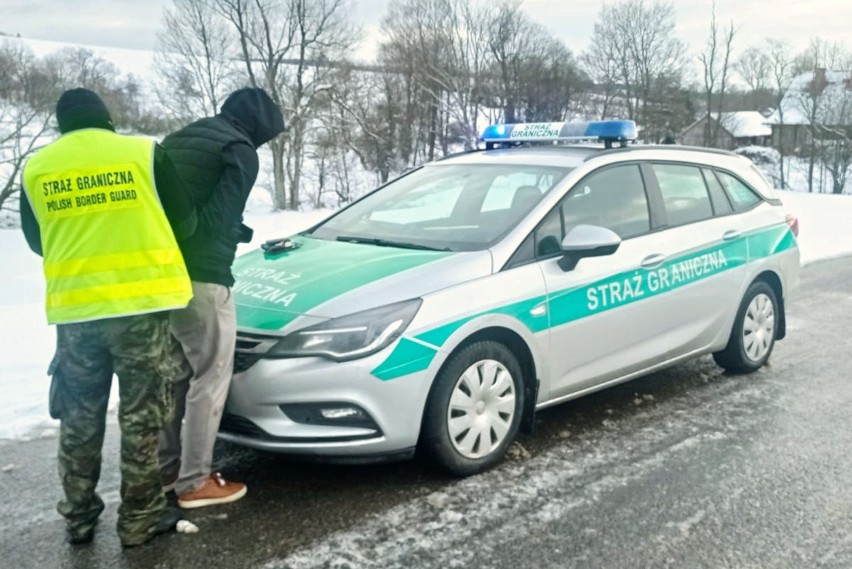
(721, 203)
(742, 197)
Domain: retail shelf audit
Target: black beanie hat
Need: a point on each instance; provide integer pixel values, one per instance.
(81, 108)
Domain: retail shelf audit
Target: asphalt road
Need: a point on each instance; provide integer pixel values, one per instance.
(686, 468)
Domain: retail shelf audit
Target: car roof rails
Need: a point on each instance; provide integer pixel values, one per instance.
(667, 147)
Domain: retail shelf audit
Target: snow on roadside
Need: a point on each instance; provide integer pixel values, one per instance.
(825, 224)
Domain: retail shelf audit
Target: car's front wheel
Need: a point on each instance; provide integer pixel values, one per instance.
(474, 409)
(754, 333)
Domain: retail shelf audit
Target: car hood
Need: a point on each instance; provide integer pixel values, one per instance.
(320, 279)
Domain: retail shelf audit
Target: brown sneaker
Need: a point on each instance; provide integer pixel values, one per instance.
(216, 490)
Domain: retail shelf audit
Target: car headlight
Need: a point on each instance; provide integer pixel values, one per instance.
(349, 337)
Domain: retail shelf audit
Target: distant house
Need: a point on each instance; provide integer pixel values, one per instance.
(821, 97)
(742, 128)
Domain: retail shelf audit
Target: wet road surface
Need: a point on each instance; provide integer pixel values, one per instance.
(684, 468)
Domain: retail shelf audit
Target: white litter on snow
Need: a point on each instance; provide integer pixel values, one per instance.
(186, 526)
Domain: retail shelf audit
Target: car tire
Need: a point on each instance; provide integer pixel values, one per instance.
(754, 333)
(474, 409)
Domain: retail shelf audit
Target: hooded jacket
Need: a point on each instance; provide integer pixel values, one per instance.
(217, 159)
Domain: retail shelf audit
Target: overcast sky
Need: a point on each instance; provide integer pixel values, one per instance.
(135, 23)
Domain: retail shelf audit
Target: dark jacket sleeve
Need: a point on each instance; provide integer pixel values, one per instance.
(176, 199)
(29, 224)
(225, 207)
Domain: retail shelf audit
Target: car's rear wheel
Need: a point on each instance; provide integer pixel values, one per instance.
(474, 409)
(754, 332)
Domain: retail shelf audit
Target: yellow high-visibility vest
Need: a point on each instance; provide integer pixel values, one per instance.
(108, 247)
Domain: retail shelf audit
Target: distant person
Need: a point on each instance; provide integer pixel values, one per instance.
(669, 139)
(217, 156)
(103, 210)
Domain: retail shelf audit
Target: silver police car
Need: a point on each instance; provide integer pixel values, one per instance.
(443, 309)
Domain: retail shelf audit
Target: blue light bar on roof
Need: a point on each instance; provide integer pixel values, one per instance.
(600, 131)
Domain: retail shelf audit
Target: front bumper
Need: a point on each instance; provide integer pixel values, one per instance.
(254, 416)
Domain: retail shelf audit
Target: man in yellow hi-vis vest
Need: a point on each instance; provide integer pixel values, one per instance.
(103, 210)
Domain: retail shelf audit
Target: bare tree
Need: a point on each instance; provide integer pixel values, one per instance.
(836, 150)
(288, 48)
(754, 68)
(640, 39)
(821, 53)
(369, 113)
(28, 94)
(780, 65)
(193, 59)
(537, 77)
(23, 121)
(81, 67)
(416, 48)
(836, 147)
(811, 102)
(517, 43)
(445, 44)
(716, 64)
(600, 62)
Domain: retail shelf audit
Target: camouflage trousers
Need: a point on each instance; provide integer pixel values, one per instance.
(136, 349)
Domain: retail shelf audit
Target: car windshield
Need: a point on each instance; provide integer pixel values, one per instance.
(452, 207)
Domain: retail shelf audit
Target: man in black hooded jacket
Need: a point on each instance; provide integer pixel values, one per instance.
(217, 159)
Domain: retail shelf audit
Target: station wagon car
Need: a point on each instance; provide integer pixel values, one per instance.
(443, 309)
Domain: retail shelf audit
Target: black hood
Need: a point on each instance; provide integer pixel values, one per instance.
(81, 108)
(253, 111)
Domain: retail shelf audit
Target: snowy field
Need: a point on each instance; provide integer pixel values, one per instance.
(28, 342)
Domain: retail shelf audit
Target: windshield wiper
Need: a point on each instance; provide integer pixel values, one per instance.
(387, 243)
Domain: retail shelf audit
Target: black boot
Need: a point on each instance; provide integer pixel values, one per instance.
(75, 537)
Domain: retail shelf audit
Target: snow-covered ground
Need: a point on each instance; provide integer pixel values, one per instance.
(825, 225)
(27, 342)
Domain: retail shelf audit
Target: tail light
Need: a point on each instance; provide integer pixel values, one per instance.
(793, 222)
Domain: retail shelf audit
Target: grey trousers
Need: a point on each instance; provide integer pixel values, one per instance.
(206, 331)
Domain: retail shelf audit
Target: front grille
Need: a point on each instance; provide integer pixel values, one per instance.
(247, 343)
(250, 349)
(243, 361)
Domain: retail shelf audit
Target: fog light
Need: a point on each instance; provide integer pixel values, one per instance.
(329, 413)
(342, 413)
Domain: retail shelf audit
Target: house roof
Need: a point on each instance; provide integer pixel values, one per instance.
(744, 124)
(833, 99)
(741, 124)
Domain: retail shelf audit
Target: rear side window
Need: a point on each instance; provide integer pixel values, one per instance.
(685, 196)
(742, 197)
(721, 203)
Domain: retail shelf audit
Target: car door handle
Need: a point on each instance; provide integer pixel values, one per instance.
(652, 261)
(731, 234)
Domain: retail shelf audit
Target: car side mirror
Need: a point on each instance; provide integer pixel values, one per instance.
(587, 241)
